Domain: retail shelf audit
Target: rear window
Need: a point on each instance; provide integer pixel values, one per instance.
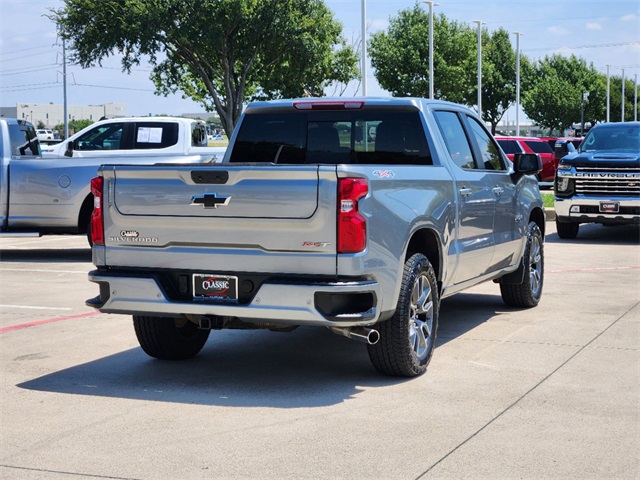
(24, 140)
(539, 147)
(509, 146)
(332, 137)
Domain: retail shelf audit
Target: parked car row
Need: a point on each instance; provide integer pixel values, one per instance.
(514, 145)
(544, 146)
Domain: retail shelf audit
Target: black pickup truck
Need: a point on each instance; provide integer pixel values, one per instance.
(600, 182)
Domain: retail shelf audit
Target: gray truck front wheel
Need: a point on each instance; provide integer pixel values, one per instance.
(407, 339)
(169, 338)
(527, 294)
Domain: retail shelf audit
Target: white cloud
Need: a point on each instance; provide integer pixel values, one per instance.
(594, 26)
(558, 31)
(629, 18)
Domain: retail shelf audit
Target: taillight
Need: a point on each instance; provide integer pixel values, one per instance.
(97, 218)
(352, 226)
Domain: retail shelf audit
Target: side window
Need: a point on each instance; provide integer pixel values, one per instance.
(149, 135)
(24, 140)
(198, 134)
(489, 150)
(104, 137)
(510, 146)
(455, 138)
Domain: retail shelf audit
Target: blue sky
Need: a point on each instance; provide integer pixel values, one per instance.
(604, 32)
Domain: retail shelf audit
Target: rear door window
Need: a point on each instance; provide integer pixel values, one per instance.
(332, 137)
(147, 135)
(455, 139)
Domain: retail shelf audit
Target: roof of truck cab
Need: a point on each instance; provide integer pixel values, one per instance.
(416, 102)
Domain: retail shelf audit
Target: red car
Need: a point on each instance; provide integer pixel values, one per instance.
(513, 145)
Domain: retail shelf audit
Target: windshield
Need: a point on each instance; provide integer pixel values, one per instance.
(619, 138)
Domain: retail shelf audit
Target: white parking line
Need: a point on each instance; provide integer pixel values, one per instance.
(35, 308)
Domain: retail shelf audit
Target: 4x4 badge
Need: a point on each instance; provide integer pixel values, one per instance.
(210, 200)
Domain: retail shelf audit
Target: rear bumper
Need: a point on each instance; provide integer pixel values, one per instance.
(345, 304)
(581, 209)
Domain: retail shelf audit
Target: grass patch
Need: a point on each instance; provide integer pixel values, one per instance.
(547, 198)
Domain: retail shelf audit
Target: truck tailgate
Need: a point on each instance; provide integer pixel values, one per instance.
(225, 218)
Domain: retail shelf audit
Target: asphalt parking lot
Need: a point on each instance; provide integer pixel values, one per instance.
(551, 392)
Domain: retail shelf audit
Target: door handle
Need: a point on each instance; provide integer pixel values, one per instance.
(465, 192)
(498, 190)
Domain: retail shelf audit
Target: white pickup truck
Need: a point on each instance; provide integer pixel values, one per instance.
(50, 193)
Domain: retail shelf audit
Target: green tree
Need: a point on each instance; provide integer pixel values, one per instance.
(77, 125)
(41, 125)
(498, 77)
(218, 52)
(400, 56)
(554, 88)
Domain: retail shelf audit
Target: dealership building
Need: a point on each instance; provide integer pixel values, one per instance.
(51, 114)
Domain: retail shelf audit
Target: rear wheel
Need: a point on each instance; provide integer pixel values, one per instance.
(568, 231)
(169, 338)
(407, 339)
(527, 294)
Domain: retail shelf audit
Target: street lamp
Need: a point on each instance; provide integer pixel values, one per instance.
(517, 34)
(622, 96)
(431, 78)
(608, 90)
(364, 48)
(480, 23)
(585, 96)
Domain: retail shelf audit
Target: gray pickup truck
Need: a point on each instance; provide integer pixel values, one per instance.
(51, 193)
(354, 214)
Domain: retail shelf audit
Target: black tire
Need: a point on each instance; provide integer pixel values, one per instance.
(408, 338)
(568, 231)
(169, 338)
(527, 294)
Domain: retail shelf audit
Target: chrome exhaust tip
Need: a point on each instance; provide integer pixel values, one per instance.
(361, 334)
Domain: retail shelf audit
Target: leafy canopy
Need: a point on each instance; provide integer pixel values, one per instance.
(400, 56)
(554, 88)
(218, 52)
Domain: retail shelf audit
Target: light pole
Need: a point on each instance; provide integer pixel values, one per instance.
(517, 34)
(635, 98)
(480, 23)
(431, 78)
(608, 92)
(585, 96)
(364, 48)
(622, 96)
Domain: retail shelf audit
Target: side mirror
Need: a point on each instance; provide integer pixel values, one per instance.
(527, 163)
(69, 151)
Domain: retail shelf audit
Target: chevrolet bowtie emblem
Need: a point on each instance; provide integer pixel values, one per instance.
(210, 200)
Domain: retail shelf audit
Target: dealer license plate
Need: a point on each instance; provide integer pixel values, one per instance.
(215, 287)
(609, 207)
